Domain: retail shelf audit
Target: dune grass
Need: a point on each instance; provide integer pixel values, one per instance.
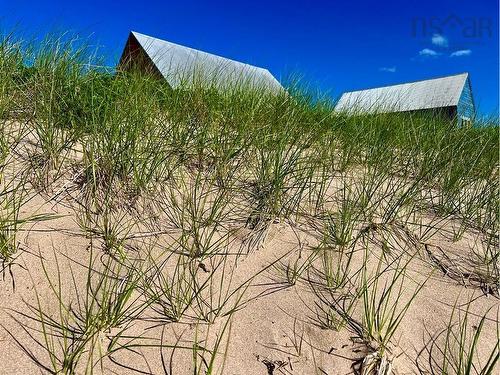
(205, 173)
(455, 349)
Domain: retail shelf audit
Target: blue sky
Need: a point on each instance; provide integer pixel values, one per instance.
(334, 46)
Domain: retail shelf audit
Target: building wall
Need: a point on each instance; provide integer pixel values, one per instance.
(465, 108)
(135, 58)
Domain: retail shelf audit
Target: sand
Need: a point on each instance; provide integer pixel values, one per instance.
(274, 331)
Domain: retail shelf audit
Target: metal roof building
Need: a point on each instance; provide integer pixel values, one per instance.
(178, 64)
(450, 95)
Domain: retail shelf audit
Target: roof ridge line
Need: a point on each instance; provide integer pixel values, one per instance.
(205, 52)
(406, 83)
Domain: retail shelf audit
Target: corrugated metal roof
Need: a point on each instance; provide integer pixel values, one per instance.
(177, 63)
(431, 93)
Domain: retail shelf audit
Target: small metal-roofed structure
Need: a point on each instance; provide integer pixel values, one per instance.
(450, 96)
(179, 64)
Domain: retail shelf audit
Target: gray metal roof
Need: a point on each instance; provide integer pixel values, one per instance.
(178, 63)
(431, 93)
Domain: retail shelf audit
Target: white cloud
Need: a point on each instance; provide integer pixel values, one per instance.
(439, 40)
(461, 52)
(428, 52)
(390, 69)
